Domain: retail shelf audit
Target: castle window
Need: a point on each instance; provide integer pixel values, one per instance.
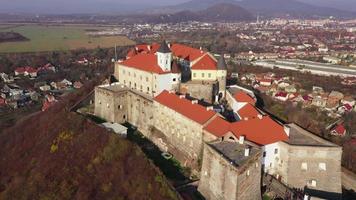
(135, 75)
(275, 151)
(311, 183)
(119, 107)
(148, 89)
(304, 166)
(174, 80)
(124, 117)
(202, 75)
(140, 77)
(129, 74)
(209, 75)
(231, 138)
(194, 74)
(248, 173)
(264, 154)
(322, 166)
(147, 79)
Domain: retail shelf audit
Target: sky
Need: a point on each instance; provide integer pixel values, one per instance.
(117, 6)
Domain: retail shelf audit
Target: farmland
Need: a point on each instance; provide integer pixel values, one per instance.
(57, 38)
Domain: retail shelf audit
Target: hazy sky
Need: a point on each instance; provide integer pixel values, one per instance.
(102, 6)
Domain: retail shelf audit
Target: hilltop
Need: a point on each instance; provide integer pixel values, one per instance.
(61, 155)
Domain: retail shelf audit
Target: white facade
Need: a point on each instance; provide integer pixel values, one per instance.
(164, 61)
(270, 157)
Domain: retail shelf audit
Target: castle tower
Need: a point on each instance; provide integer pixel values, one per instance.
(221, 75)
(164, 57)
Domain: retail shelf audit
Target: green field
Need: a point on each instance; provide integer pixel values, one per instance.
(58, 38)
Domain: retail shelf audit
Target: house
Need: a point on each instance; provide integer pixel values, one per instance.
(348, 100)
(282, 96)
(83, 61)
(45, 88)
(265, 82)
(31, 72)
(283, 84)
(319, 101)
(334, 100)
(77, 84)
(290, 89)
(154, 68)
(2, 102)
(6, 78)
(345, 108)
(339, 130)
(20, 71)
(47, 67)
(318, 90)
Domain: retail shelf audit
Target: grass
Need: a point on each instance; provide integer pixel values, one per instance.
(58, 38)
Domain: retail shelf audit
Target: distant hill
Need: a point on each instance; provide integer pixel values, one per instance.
(217, 12)
(291, 7)
(61, 155)
(225, 12)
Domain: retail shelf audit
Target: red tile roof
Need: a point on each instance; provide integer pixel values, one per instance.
(185, 107)
(205, 63)
(243, 97)
(260, 131)
(144, 62)
(340, 129)
(219, 127)
(248, 111)
(186, 52)
(281, 94)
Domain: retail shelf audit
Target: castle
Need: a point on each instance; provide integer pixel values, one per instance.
(160, 91)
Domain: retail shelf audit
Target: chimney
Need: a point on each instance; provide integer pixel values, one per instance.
(259, 116)
(149, 47)
(194, 101)
(136, 48)
(209, 108)
(171, 92)
(241, 139)
(247, 151)
(181, 96)
(246, 118)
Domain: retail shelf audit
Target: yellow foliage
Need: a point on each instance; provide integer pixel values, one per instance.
(54, 148)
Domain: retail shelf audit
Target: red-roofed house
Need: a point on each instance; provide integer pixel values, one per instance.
(150, 69)
(339, 130)
(20, 71)
(282, 96)
(26, 71)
